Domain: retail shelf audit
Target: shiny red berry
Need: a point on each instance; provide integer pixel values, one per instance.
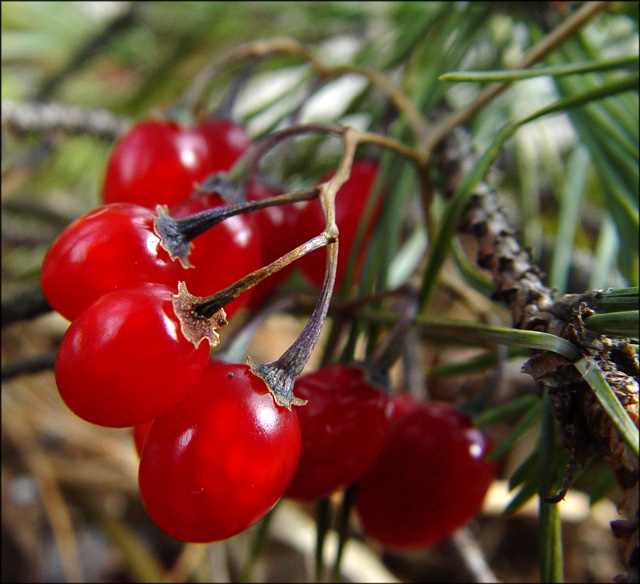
(227, 141)
(140, 435)
(429, 480)
(141, 430)
(343, 427)
(399, 405)
(224, 253)
(220, 459)
(160, 161)
(280, 230)
(124, 360)
(110, 248)
(351, 201)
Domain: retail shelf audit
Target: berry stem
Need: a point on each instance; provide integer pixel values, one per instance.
(176, 234)
(209, 305)
(224, 109)
(234, 182)
(287, 46)
(280, 375)
(392, 347)
(245, 168)
(235, 349)
(285, 160)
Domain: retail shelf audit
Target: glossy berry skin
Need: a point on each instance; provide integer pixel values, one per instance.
(124, 360)
(160, 161)
(220, 459)
(351, 201)
(110, 248)
(280, 230)
(224, 253)
(227, 141)
(344, 425)
(141, 430)
(140, 435)
(399, 405)
(429, 480)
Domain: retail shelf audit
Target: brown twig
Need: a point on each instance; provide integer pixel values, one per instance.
(43, 362)
(25, 305)
(585, 427)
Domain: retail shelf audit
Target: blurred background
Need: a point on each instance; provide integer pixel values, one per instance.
(75, 75)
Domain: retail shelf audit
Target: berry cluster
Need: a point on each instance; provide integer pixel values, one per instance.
(420, 469)
(130, 357)
(429, 479)
(218, 444)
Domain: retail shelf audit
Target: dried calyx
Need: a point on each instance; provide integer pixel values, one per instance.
(196, 327)
(176, 234)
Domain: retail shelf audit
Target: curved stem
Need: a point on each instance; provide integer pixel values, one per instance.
(392, 347)
(224, 109)
(236, 348)
(176, 234)
(280, 375)
(247, 166)
(234, 182)
(209, 305)
(288, 46)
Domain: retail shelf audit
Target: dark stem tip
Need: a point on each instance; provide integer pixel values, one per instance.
(222, 184)
(279, 382)
(172, 238)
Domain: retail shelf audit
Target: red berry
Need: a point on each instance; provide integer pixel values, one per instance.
(140, 435)
(343, 427)
(400, 404)
(159, 161)
(220, 459)
(124, 360)
(110, 248)
(429, 480)
(223, 254)
(351, 201)
(227, 141)
(279, 226)
(141, 430)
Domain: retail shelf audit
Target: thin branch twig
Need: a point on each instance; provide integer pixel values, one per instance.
(24, 305)
(33, 116)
